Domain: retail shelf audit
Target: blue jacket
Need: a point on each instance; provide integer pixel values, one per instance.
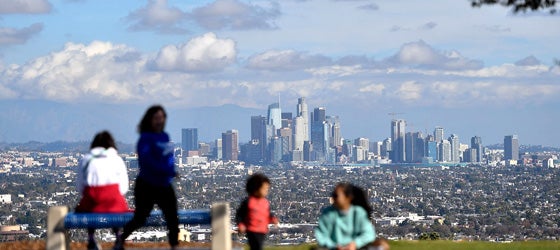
(339, 229)
(155, 158)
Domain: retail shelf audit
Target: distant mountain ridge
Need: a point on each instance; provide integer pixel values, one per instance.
(47, 121)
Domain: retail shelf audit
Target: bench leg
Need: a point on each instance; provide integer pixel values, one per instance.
(57, 236)
(221, 226)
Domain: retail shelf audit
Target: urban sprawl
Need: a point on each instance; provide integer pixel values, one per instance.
(421, 186)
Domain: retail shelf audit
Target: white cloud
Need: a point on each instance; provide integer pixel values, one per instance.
(373, 88)
(116, 73)
(157, 16)
(236, 15)
(280, 60)
(409, 91)
(420, 54)
(205, 53)
(10, 36)
(24, 6)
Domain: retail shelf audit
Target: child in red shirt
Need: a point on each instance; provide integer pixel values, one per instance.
(254, 215)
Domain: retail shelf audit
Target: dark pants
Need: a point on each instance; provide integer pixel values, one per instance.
(256, 240)
(145, 196)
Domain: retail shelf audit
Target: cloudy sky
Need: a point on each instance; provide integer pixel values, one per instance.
(431, 60)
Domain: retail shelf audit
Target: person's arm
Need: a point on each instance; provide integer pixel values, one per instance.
(272, 218)
(241, 215)
(322, 232)
(366, 232)
(81, 181)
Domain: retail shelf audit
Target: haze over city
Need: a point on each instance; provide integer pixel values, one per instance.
(71, 68)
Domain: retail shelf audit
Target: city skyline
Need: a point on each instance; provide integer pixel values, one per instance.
(445, 63)
(278, 138)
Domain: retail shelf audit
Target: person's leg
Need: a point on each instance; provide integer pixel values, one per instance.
(255, 240)
(92, 243)
(167, 202)
(144, 201)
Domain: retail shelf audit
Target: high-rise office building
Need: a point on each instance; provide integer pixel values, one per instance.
(415, 146)
(454, 143)
(259, 134)
(386, 148)
(275, 115)
(299, 133)
(218, 152)
(189, 139)
(319, 114)
(304, 113)
(432, 150)
(375, 147)
(307, 151)
(476, 143)
(362, 142)
(398, 132)
(287, 119)
(438, 134)
(470, 155)
(319, 134)
(335, 138)
(444, 151)
(275, 149)
(287, 142)
(258, 127)
(203, 149)
(230, 145)
(511, 147)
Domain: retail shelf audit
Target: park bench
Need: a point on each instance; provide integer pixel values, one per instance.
(59, 220)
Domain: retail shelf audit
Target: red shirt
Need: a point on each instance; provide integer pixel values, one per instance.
(257, 215)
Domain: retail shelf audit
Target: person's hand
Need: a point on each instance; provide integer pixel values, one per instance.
(242, 229)
(351, 246)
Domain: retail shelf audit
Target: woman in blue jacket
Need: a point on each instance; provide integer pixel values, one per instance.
(346, 224)
(153, 184)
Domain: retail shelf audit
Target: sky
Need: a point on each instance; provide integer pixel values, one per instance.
(435, 62)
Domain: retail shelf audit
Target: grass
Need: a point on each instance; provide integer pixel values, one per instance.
(443, 244)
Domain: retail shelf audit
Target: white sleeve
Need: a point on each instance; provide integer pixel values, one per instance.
(123, 177)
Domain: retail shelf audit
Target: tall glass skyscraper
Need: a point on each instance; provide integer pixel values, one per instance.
(275, 115)
(189, 139)
(438, 134)
(304, 113)
(398, 132)
(476, 143)
(511, 147)
(454, 141)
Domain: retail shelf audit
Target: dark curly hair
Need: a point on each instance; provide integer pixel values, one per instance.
(255, 182)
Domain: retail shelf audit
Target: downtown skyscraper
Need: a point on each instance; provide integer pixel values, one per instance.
(230, 146)
(511, 147)
(398, 131)
(476, 143)
(303, 112)
(319, 134)
(189, 139)
(274, 115)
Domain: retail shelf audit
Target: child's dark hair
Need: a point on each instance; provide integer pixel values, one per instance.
(358, 195)
(103, 139)
(146, 122)
(255, 182)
